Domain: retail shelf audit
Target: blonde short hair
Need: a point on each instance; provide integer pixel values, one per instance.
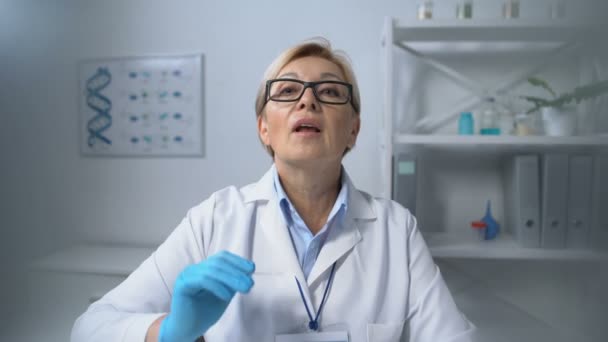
(316, 47)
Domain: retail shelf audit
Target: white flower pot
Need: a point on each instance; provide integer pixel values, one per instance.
(559, 121)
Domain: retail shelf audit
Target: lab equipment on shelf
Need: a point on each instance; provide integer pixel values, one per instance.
(506, 123)
(479, 230)
(464, 9)
(492, 228)
(557, 9)
(510, 9)
(489, 118)
(524, 125)
(465, 124)
(425, 10)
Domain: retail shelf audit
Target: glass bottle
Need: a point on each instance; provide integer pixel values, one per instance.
(557, 9)
(465, 124)
(489, 122)
(510, 9)
(507, 123)
(464, 9)
(425, 10)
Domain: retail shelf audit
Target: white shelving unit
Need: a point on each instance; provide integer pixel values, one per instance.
(486, 30)
(505, 142)
(448, 245)
(427, 39)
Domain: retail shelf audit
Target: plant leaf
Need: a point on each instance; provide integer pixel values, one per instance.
(580, 93)
(537, 103)
(537, 82)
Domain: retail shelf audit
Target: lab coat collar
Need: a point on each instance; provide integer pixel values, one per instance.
(339, 241)
(359, 206)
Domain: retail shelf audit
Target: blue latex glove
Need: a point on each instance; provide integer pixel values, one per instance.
(202, 293)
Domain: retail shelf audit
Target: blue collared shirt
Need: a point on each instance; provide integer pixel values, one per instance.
(306, 245)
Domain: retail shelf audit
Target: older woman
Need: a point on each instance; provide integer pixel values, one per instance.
(301, 252)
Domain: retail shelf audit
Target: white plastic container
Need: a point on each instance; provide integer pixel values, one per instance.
(559, 121)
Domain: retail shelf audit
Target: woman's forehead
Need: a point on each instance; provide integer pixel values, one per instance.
(312, 67)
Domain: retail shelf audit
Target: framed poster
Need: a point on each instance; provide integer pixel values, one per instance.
(141, 106)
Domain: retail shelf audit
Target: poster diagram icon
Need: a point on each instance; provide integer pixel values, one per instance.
(141, 106)
(101, 105)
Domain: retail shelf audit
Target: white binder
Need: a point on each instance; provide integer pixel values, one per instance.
(523, 199)
(579, 201)
(599, 226)
(554, 209)
(405, 181)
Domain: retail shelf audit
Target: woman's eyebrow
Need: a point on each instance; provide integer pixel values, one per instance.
(289, 74)
(330, 75)
(324, 75)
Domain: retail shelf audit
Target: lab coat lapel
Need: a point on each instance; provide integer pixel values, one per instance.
(339, 241)
(342, 238)
(281, 255)
(278, 250)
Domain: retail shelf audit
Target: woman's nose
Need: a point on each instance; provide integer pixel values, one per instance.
(309, 100)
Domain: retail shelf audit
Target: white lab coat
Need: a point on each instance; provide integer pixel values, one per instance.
(386, 286)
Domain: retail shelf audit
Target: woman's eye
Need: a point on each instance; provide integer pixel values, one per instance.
(286, 91)
(329, 92)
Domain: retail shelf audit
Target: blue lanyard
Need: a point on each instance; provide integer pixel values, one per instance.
(314, 324)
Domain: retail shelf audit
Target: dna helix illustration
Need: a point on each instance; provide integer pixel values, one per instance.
(101, 105)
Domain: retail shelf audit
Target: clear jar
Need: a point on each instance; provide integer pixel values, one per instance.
(557, 9)
(507, 123)
(464, 9)
(524, 124)
(489, 121)
(510, 9)
(425, 10)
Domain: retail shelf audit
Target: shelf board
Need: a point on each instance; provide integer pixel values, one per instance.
(450, 245)
(506, 142)
(492, 30)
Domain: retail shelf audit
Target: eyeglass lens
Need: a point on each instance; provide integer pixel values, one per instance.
(328, 92)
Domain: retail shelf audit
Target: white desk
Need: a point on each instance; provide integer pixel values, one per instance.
(507, 303)
(61, 285)
(95, 259)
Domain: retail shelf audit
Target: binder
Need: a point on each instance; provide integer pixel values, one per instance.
(522, 199)
(554, 198)
(599, 227)
(579, 201)
(404, 187)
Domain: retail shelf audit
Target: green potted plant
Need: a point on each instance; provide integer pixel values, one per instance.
(559, 113)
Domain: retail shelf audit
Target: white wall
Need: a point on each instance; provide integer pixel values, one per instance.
(55, 196)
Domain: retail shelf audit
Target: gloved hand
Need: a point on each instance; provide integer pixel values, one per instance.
(202, 293)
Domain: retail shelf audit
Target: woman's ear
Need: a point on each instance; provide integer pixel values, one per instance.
(354, 131)
(263, 129)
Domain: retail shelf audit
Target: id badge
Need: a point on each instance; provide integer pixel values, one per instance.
(330, 336)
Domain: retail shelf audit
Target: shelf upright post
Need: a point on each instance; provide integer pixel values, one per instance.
(386, 125)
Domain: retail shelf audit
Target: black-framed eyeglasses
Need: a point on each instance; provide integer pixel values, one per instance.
(291, 90)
